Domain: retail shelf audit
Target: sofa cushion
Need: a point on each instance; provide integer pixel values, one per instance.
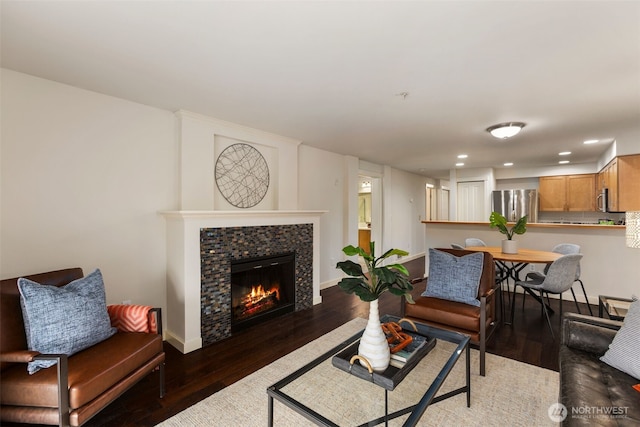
(64, 320)
(625, 347)
(462, 317)
(454, 278)
(586, 382)
(91, 371)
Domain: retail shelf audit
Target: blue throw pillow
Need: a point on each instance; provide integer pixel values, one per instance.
(64, 320)
(454, 278)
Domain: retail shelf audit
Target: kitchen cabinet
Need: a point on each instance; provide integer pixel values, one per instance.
(608, 178)
(568, 193)
(622, 178)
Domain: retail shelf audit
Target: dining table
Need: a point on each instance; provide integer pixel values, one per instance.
(513, 264)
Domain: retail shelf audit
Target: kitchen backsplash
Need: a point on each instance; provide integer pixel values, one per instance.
(580, 217)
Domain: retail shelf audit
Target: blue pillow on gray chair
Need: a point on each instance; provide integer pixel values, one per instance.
(64, 320)
(454, 278)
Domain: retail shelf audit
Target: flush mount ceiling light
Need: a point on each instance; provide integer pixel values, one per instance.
(505, 130)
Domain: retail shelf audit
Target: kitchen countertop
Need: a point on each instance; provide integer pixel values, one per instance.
(533, 224)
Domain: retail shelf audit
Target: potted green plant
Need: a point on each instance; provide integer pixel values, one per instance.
(497, 220)
(368, 286)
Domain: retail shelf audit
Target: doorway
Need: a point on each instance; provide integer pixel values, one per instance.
(369, 212)
(437, 204)
(471, 202)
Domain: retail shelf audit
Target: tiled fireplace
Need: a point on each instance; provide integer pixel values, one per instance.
(201, 246)
(221, 247)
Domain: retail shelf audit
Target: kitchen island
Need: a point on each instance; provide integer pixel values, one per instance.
(608, 267)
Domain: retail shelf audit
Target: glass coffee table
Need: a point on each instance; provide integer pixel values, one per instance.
(328, 395)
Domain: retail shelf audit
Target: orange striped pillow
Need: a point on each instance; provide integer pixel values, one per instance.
(132, 318)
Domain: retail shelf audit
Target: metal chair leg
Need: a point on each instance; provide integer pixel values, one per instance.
(585, 297)
(576, 301)
(546, 314)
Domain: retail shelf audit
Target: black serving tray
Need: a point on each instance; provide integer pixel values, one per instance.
(391, 376)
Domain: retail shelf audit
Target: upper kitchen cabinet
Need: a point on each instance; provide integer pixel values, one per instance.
(608, 178)
(570, 193)
(621, 177)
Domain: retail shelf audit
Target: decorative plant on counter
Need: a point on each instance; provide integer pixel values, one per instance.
(378, 278)
(498, 220)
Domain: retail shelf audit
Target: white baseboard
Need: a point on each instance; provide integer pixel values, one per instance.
(181, 345)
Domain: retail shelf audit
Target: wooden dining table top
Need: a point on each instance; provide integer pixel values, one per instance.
(528, 256)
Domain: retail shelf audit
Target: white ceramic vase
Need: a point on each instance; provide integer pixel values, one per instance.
(509, 246)
(373, 344)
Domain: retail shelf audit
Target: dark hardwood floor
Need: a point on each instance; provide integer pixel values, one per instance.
(192, 377)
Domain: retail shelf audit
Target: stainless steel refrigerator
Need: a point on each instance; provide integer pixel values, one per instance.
(514, 204)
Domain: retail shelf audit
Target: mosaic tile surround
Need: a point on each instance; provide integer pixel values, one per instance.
(220, 246)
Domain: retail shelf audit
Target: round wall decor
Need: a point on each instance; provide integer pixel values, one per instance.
(242, 175)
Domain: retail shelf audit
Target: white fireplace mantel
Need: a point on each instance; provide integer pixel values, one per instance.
(183, 262)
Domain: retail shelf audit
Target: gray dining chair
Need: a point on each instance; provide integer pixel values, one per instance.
(559, 279)
(502, 271)
(456, 246)
(564, 249)
(472, 241)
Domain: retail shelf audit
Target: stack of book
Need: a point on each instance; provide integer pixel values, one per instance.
(401, 357)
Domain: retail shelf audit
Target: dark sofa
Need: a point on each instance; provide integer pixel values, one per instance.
(593, 392)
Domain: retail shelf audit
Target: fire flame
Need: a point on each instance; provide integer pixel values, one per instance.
(258, 292)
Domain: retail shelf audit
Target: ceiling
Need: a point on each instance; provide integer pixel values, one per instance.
(406, 84)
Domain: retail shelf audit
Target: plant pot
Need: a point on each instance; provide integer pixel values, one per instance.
(509, 246)
(373, 344)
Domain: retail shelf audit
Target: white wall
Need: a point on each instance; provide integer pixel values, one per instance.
(321, 181)
(202, 140)
(329, 181)
(404, 204)
(83, 178)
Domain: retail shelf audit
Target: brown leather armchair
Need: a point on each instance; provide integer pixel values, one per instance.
(79, 386)
(478, 322)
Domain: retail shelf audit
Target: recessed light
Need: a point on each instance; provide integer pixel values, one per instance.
(563, 162)
(462, 156)
(564, 153)
(591, 141)
(459, 164)
(508, 164)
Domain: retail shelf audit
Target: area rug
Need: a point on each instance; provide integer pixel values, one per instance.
(512, 393)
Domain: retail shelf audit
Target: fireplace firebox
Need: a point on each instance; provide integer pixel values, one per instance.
(261, 288)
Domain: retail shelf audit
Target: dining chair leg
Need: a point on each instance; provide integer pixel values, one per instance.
(585, 297)
(576, 301)
(513, 301)
(546, 314)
